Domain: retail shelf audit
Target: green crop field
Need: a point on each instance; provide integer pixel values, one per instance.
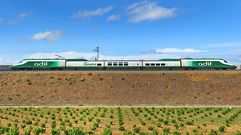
(123, 120)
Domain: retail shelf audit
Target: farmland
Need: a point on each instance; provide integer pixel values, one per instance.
(120, 103)
(120, 120)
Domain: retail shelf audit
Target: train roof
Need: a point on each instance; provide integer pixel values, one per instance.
(201, 59)
(165, 59)
(59, 59)
(170, 59)
(178, 59)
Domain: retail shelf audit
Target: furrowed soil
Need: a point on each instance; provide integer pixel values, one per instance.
(165, 88)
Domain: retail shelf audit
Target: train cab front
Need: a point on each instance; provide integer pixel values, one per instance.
(14, 67)
(228, 65)
(17, 66)
(234, 67)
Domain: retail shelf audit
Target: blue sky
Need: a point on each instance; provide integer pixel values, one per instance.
(123, 29)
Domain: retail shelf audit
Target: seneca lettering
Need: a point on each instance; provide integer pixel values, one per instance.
(90, 64)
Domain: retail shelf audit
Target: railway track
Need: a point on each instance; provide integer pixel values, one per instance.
(128, 71)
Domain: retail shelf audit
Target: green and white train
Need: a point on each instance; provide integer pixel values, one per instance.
(83, 64)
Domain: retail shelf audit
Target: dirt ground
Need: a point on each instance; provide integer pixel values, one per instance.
(164, 88)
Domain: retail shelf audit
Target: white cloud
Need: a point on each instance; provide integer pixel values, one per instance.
(113, 18)
(23, 15)
(49, 36)
(175, 50)
(73, 54)
(163, 53)
(67, 54)
(1, 61)
(154, 54)
(149, 11)
(9, 60)
(18, 18)
(138, 57)
(15, 20)
(1, 20)
(97, 12)
(225, 44)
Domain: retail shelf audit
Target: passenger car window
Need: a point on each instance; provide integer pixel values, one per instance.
(114, 63)
(120, 63)
(109, 63)
(99, 64)
(158, 64)
(163, 64)
(147, 64)
(125, 63)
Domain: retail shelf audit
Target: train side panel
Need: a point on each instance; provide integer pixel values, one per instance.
(161, 64)
(84, 64)
(39, 64)
(206, 64)
(123, 64)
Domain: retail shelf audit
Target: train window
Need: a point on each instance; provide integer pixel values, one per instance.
(99, 64)
(125, 63)
(120, 63)
(158, 64)
(147, 64)
(163, 64)
(114, 63)
(152, 64)
(225, 61)
(109, 63)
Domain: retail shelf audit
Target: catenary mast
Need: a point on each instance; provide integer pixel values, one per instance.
(97, 50)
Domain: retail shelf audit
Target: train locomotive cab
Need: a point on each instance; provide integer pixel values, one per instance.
(230, 66)
(18, 65)
(206, 64)
(39, 64)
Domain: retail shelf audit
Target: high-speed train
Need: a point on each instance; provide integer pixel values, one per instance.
(81, 64)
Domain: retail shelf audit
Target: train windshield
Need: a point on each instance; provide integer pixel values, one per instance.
(225, 61)
(21, 61)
